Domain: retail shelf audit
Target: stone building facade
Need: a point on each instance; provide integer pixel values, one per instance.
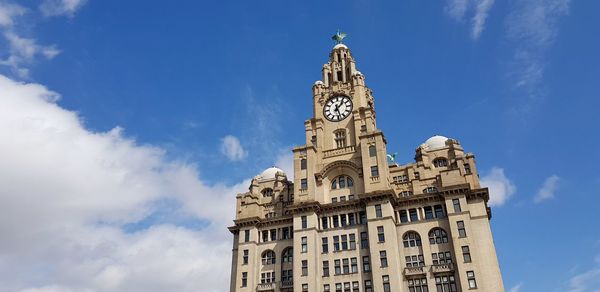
(354, 220)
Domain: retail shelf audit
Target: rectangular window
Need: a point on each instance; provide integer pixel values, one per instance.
(416, 284)
(304, 222)
(347, 287)
(345, 266)
(439, 211)
(378, 213)
(344, 242)
(403, 216)
(386, 283)
(456, 203)
(336, 221)
(326, 287)
(286, 275)
(336, 243)
(273, 234)
(445, 283)
(351, 219)
(245, 257)
(441, 258)
(413, 215)
(374, 171)
(265, 235)
(334, 200)
(324, 223)
(364, 240)
(461, 229)
(366, 263)
(343, 199)
(354, 265)
(368, 286)
(325, 245)
(325, 268)
(466, 254)
(244, 279)
(383, 258)
(417, 175)
(343, 219)
(303, 184)
(352, 237)
(350, 197)
(363, 217)
(302, 163)
(338, 267)
(338, 287)
(380, 234)
(313, 140)
(304, 268)
(428, 212)
(246, 235)
(304, 244)
(471, 279)
(467, 168)
(415, 261)
(355, 287)
(304, 287)
(286, 233)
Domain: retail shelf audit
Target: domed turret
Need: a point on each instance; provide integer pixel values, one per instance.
(270, 173)
(435, 142)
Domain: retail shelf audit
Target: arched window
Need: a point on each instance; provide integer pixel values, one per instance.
(440, 162)
(342, 182)
(411, 239)
(268, 192)
(268, 257)
(288, 255)
(372, 151)
(437, 236)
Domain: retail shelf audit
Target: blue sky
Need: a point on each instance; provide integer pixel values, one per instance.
(206, 95)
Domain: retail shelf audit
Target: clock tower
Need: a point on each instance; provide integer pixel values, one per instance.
(353, 219)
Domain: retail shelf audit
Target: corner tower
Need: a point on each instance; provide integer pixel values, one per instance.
(355, 220)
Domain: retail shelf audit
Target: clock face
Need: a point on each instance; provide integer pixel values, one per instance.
(337, 108)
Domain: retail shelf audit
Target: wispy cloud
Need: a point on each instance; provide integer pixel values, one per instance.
(588, 280)
(548, 189)
(232, 148)
(61, 7)
(532, 26)
(476, 10)
(501, 187)
(8, 13)
(516, 288)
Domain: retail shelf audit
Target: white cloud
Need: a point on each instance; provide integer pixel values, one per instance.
(232, 148)
(68, 195)
(532, 25)
(8, 13)
(586, 281)
(501, 188)
(516, 288)
(548, 189)
(285, 161)
(61, 7)
(23, 51)
(478, 11)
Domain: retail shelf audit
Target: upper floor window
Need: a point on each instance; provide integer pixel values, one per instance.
(303, 184)
(456, 204)
(304, 220)
(372, 151)
(430, 190)
(288, 255)
(268, 192)
(467, 168)
(268, 257)
(415, 261)
(303, 163)
(411, 239)
(440, 162)
(437, 236)
(341, 182)
(446, 283)
(378, 212)
(340, 138)
(461, 229)
(374, 171)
